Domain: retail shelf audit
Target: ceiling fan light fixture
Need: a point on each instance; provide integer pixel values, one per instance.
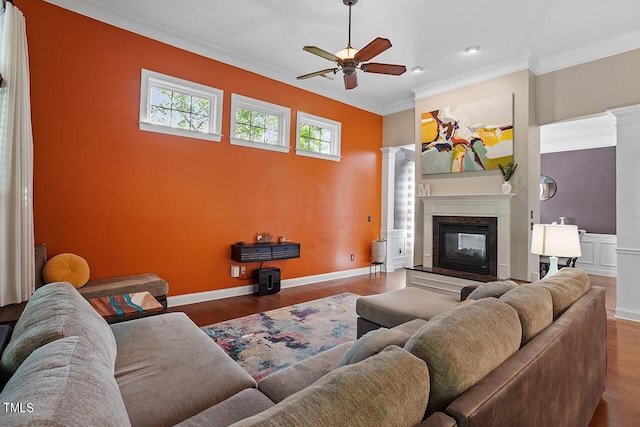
(417, 69)
(347, 53)
(348, 60)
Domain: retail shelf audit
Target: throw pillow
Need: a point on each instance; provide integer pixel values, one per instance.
(492, 289)
(463, 347)
(57, 311)
(371, 343)
(65, 382)
(66, 268)
(565, 287)
(534, 306)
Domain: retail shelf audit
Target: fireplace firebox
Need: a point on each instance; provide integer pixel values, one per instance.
(467, 244)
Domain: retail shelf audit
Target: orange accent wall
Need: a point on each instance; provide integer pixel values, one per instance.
(131, 201)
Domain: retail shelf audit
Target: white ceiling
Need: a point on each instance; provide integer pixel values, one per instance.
(267, 36)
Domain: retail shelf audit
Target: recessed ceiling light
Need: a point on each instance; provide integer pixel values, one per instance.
(472, 49)
(417, 69)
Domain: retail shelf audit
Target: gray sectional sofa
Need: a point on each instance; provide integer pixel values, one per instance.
(534, 356)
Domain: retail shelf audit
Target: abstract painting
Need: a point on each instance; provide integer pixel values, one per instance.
(470, 137)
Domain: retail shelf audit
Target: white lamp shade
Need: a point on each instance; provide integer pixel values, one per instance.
(556, 240)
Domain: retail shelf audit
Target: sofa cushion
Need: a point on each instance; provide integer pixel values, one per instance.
(534, 307)
(371, 343)
(388, 389)
(56, 311)
(66, 383)
(243, 405)
(394, 308)
(492, 289)
(66, 267)
(566, 286)
(461, 348)
(169, 370)
(282, 384)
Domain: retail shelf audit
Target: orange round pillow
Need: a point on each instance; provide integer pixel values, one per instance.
(66, 268)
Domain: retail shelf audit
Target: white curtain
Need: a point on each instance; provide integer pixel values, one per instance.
(17, 275)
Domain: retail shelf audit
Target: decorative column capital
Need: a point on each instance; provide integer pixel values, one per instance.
(389, 152)
(626, 115)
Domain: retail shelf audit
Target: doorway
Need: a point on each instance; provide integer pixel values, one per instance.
(579, 157)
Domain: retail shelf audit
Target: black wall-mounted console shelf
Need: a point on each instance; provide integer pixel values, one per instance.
(265, 252)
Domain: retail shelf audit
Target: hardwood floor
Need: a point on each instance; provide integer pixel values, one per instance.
(620, 404)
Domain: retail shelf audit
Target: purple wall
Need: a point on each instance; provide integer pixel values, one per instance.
(586, 195)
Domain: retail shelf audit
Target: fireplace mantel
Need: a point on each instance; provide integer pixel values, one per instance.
(496, 205)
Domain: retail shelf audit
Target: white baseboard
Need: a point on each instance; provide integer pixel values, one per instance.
(625, 314)
(173, 301)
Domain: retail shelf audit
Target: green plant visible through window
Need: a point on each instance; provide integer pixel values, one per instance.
(256, 126)
(315, 138)
(179, 110)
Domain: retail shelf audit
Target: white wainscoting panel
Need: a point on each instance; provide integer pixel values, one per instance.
(398, 246)
(599, 254)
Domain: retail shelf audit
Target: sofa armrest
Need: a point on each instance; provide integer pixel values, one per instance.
(466, 291)
(439, 419)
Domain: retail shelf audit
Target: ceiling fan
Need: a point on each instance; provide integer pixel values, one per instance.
(349, 59)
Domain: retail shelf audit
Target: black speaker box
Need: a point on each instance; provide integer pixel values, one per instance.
(268, 281)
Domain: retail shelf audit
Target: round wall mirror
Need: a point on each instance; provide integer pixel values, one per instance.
(547, 188)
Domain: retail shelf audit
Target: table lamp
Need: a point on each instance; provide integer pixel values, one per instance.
(555, 241)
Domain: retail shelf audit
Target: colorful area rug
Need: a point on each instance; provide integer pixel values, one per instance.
(267, 342)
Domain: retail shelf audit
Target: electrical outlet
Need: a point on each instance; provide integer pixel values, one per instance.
(353, 257)
(235, 271)
(243, 270)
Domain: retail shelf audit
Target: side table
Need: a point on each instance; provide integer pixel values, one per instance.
(118, 308)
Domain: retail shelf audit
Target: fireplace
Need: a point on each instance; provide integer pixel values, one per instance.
(465, 244)
(491, 210)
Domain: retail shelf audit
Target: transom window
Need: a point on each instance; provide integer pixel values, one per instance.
(179, 107)
(259, 124)
(179, 110)
(318, 137)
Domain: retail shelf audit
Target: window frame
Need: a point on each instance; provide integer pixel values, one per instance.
(215, 96)
(336, 136)
(284, 123)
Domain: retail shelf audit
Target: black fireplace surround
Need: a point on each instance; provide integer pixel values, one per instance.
(466, 244)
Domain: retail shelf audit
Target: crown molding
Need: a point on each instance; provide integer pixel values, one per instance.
(396, 107)
(109, 15)
(574, 145)
(589, 53)
(478, 75)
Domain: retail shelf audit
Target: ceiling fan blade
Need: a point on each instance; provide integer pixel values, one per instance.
(376, 47)
(374, 67)
(350, 81)
(318, 73)
(322, 53)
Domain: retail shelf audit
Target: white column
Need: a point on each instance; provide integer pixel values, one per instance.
(388, 200)
(628, 210)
